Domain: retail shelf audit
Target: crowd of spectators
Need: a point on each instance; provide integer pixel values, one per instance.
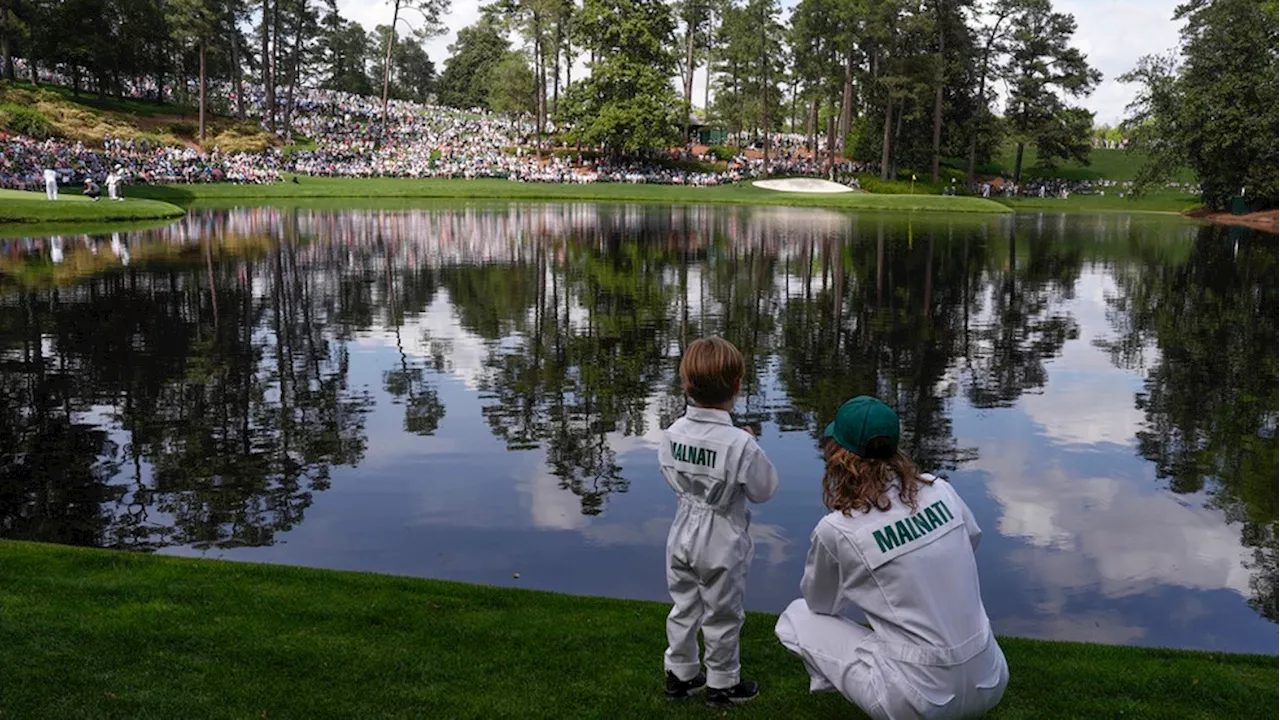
(349, 135)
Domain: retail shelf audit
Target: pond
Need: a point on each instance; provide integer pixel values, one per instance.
(472, 392)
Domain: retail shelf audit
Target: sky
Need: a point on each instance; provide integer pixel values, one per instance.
(1112, 33)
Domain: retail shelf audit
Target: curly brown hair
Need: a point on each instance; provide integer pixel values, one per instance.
(862, 483)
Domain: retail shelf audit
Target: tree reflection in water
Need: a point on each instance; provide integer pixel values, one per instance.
(202, 395)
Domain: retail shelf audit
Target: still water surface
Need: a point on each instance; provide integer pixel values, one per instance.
(473, 392)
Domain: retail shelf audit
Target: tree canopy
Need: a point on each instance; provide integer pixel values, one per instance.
(1212, 106)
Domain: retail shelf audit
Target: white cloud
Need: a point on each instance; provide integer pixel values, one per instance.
(371, 13)
(1087, 400)
(437, 324)
(1114, 34)
(1104, 534)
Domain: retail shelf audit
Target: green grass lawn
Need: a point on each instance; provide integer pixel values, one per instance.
(489, 189)
(1168, 202)
(31, 207)
(1103, 165)
(101, 634)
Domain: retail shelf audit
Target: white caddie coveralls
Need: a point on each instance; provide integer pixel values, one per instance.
(913, 574)
(715, 468)
(50, 184)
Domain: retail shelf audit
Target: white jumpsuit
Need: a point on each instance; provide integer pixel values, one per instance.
(715, 468)
(913, 574)
(50, 185)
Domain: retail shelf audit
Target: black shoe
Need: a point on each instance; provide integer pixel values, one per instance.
(728, 697)
(678, 689)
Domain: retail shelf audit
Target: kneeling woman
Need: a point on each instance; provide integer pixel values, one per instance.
(899, 547)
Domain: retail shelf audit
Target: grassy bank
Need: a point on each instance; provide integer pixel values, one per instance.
(97, 634)
(29, 207)
(1166, 202)
(1103, 164)
(49, 111)
(745, 194)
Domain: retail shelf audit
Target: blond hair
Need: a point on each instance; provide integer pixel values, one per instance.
(859, 483)
(711, 371)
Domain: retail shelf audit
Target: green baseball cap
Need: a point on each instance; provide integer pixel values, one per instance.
(861, 420)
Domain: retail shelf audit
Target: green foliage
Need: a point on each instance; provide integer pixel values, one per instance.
(750, 66)
(627, 105)
(26, 121)
(1217, 111)
(1042, 68)
(181, 128)
(512, 88)
(345, 53)
(478, 50)
(723, 153)
(413, 74)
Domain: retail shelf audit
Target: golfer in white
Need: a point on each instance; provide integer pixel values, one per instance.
(113, 184)
(898, 546)
(50, 184)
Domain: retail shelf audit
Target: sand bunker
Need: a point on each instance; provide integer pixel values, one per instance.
(804, 185)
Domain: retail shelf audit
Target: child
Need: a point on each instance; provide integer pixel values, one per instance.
(898, 546)
(715, 468)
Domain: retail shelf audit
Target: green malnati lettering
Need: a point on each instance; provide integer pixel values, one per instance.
(886, 539)
(922, 524)
(693, 455)
(905, 531)
(914, 527)
(933, 516)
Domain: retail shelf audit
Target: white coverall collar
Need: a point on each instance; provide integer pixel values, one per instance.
(708, 415)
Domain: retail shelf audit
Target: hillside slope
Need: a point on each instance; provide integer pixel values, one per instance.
(43, 112)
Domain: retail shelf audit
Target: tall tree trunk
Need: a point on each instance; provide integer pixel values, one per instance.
(568, 63)
(295, 74)
(555, 81)
(539, 85)
(897, 134)
(937, 95)
(886, 144)
(268, 88)
(764, 100)
(203, 80)
(795, 98)
(236, 73)
(1017, 165)
(831, 139)
(984, 111)
(690, 34)
(6, 45)
(813, 133)
(706, 93)
(846, 104)
(386, 60)
(276, 60)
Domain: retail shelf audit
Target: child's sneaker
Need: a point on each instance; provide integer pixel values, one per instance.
(728, 697)
(678, 689)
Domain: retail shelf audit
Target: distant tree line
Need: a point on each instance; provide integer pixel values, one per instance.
(910, 83)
